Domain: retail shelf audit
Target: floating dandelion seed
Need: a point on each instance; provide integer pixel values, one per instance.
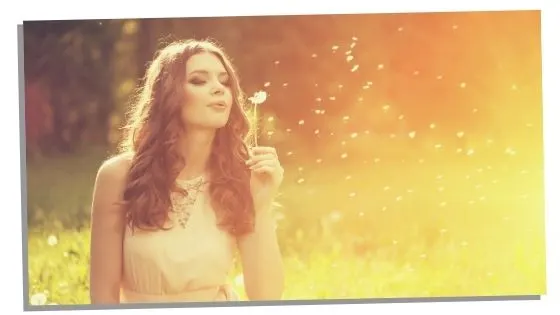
(343, 142)
(276, 62)
(354, 135)
(344, 155)
(514, 87)
(455, 26)
(416, 72)
(392, 136)
(459, 150)
(300, 169)
(438, 146)
(318, 111)
(348, 177)
(386, 108)
(510, 151)
(463, 85)
(439, 77)
(332, 98)
(314, 56)
(386, 188)
(412, 134)
(367, 132)
(348, 52)
(345, 118)
(470, 152)
(352, 195)
(267, 84)
(319, 160)
(380, 66)
(335, 47)
(270, 133)
(460, 134)
(376, 160)
(399, 198)
(318, 99)
(340, 86)
(271, 118)
(349, 58)
(365, 87)
(257, 99)
(401, 117)
(354, 38)
(352, 45)
(316, 131)
(432, 126)
(355, 68)
(284, 84)
(529, 125)
(290, 153)
(301, 122)
(400, 29)
(300, 181)
(475, 110)
(384, 208)
(288, 130)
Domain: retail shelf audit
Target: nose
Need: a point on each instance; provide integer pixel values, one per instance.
(218, 89)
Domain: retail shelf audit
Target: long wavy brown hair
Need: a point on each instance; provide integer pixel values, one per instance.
(151, 135)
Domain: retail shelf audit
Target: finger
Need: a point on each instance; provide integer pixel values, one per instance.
(259, 158)
(268, 163)
(265, 169)
(263, 150)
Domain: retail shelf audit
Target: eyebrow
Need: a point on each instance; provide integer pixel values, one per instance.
(222, 73)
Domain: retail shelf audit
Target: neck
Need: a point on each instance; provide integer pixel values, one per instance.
(196, 148)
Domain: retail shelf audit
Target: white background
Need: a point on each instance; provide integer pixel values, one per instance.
(16, 12)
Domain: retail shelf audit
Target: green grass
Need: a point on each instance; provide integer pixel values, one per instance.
(385, 231)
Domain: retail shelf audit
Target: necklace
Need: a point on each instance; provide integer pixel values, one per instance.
(182, 205)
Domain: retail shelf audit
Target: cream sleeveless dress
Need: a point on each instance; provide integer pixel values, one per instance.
(184, 264)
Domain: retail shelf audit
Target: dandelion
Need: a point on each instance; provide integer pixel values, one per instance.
(38, 299)
(52, 240)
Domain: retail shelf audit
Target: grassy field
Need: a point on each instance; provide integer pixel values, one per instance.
(373, 229)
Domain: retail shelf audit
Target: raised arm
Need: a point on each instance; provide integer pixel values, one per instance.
(260, 252)
(107, 230)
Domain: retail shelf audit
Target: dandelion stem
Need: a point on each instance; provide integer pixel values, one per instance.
(256, 122)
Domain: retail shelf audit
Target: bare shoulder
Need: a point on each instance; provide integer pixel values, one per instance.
(114, 168)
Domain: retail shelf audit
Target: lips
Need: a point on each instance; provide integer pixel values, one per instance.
(218, 105)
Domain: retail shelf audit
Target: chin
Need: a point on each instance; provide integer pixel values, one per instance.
(216, 124)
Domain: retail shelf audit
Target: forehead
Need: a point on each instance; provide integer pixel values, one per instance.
(205, 62)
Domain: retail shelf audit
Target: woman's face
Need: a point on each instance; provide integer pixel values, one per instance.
(208, 93)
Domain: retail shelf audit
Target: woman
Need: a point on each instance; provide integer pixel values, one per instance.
(186, 192)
